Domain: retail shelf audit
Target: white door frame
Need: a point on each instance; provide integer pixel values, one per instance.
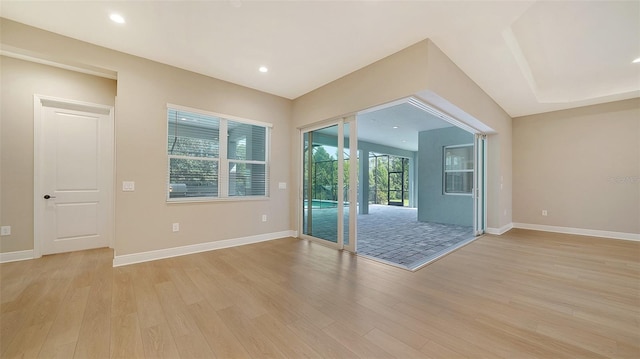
(352, 246)
(480, 184)
(39, 102)
(339, 241)
(353, 190)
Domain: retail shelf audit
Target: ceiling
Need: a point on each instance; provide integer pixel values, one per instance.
(529, 56)
(396, 125)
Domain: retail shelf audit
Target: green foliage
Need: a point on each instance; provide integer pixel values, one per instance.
(193, 147)
(325, 174)
(388, 175)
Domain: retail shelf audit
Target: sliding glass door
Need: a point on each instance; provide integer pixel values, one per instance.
(328, 196)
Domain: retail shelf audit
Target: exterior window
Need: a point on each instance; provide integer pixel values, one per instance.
(247, 159)
(458, 169)
(214, 157)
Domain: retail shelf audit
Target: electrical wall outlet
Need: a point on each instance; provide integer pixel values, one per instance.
(5, 231)
(176, 227)
(264, 218)
(128, 186)
(544, 212)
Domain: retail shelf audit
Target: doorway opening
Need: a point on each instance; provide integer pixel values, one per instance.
(389, 184)
(417, 195)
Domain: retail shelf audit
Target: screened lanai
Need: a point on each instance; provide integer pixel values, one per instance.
(413, 196)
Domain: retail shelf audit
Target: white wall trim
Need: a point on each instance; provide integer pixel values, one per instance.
(579, 231)
(16, 256)
(127, 259)
(500, 231)
(13, 52)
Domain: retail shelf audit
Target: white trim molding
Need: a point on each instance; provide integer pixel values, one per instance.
(16, 256)
(579, 231)
(500, 231)
(133, 258)
(21, 54)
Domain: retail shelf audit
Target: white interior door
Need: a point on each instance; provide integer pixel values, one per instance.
(74, 171)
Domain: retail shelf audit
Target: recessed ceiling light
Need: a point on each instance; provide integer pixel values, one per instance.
(636, 61)
(263, 69)
(117, 18)
(394, 127)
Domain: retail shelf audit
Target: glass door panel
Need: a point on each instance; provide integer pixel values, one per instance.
(396, 193)
(320, 184)
(329, 184)
(346, 182)
(351, 184)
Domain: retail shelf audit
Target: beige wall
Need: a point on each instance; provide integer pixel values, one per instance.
(143, 218)
(455, 88)
(421, 70)
(19, 81)
(397, 76)
(581, 165)
(394, 77)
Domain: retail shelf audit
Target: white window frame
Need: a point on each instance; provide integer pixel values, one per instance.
(445, 171)
(222, 159)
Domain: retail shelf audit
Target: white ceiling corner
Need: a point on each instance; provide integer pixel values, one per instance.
(588, 59)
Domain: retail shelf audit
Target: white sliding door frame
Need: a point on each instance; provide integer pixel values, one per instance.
(352, 195)
(480, 185)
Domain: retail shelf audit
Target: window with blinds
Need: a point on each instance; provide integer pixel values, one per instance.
(215, 157)
(458, 169)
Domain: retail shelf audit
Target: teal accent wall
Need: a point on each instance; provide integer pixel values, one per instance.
(433, 204)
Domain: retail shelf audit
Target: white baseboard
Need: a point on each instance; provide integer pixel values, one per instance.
(501, 230)
(127, 259)
(579, 231)
(16, 256)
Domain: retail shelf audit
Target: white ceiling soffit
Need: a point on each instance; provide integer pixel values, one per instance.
(397, 126)
(530, 57)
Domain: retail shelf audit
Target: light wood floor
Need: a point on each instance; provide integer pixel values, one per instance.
(521, 295)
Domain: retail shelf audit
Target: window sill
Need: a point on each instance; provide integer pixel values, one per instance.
(215, 200)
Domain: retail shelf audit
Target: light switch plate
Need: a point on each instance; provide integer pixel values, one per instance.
(128, 186)
(5, 231)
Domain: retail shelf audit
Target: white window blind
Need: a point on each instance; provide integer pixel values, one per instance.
(247, 153)
(458, 169)
(214, 157)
